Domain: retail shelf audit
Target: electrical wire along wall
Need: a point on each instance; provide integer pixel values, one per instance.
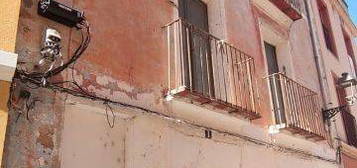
(296, 107)
(210, 68)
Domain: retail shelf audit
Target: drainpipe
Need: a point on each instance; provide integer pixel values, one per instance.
(320, 66)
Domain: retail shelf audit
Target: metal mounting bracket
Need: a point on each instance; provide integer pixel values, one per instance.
(330, 113)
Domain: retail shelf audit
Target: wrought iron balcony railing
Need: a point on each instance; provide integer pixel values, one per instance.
(292, 8)
(211, 70)
(296, 108)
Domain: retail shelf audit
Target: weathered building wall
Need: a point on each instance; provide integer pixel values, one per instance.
(335, 64)
(34, 142)
(9, 17)
(303, 61)
(118, 65)
(127, 62)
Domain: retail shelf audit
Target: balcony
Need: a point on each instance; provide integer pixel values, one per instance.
(350, 127)
(291, 8)
(296, 108)
(207, 70)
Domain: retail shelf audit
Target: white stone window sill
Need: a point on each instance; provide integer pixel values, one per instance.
(8, 63)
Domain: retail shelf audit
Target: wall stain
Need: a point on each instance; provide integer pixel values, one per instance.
(28, 3)
(45, 137)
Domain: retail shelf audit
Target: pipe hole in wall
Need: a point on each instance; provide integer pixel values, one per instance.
(208, 134)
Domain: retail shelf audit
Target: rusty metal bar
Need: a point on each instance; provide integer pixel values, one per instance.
(234, 97)
(309, 114)
(223, 53)
(288, 116)
(217, 69)
(202, 85)
(251, 82)
(168, 28)
(243, 84)
(239, 89)
(181, 53)
(189, 56)
(175, 27)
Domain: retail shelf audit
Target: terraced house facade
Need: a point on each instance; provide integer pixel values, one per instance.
(178, 84)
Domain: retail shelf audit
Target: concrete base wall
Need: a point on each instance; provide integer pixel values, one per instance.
(143, 140)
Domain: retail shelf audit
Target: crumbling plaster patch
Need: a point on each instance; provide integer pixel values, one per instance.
(105, 86)
(35, 142)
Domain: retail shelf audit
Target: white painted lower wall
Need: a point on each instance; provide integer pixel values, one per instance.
(140, 140)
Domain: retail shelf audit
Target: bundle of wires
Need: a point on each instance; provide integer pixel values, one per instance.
(86, 38)
(36, 78)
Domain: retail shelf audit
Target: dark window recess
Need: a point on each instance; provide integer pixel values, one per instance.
(328, 38)
(275, 86)
(326, 26)
(348, 44)
(349, 48)
(195, 12)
